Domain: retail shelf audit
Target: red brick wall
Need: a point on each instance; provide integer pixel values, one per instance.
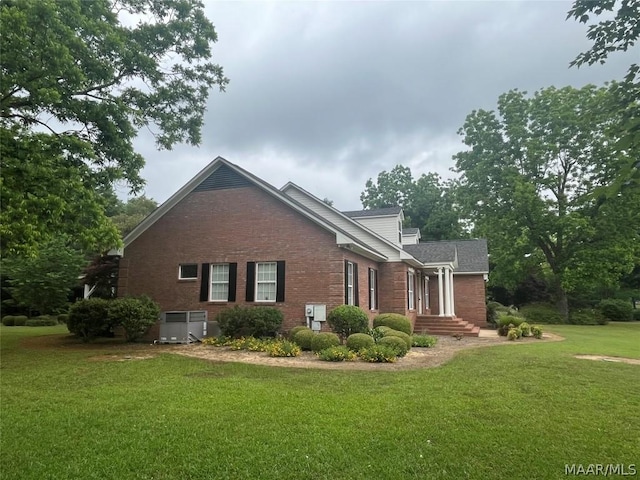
(393, 290)
(238, 225)
(468, 295)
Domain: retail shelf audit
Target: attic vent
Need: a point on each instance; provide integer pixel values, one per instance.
(224, 177)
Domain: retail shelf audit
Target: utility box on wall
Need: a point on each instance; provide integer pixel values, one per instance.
(315, 315)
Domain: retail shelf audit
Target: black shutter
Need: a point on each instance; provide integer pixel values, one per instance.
(408, 279)
(233, 274)
(204, 283)
(369, 284)
(356, 292)
(346, 282)
(251, 281)
(375, 276)
(280, 282)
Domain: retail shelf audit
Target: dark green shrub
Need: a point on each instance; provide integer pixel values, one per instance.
(242, 321)
(324, 340)
(492, 312)
(338, 353)
(303, 338)
(8, 320)
(20, 320)
(397, 343)
(357, 341)
(616, 310)
(587, 316)
(63, 318)
(42, 321)
(403, 336)
(636, 315)
(393, 320)
(348, 319)
(423, 341)
(378, 354)
(541, 313)
(297, 329)
(89, 318)
(135, 315)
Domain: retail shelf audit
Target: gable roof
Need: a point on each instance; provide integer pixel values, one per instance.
(410, 231)
(472, 255)
(375, 212)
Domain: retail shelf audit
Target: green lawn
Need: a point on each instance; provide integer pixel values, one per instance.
(514, 412)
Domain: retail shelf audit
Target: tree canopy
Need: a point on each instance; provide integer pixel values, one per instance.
(527, 184)
(79, 79)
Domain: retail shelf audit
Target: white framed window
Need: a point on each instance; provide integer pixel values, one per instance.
(410, 291)
(266, 281)
(188, 271)
(373, 289)
(350, 296)
(219, 276)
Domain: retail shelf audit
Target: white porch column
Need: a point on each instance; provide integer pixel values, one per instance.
(440, 293)
(447, 292)
(453, 303)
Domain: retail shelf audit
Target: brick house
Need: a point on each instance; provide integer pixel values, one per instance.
(229, 238)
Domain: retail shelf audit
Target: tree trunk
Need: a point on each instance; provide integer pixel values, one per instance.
(562, 303)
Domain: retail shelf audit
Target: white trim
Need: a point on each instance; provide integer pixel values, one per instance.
(351, 298)
(411, 294)
(180, 277)
(218, 282)
(373, 288)
(440, 293)
(471, 273)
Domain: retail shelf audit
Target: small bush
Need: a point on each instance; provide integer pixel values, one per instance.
(283, 348)
(8, 320)
(242, 321)
(378, 332)
(616, 310)
(403, 336)
(378, 354)
(338, 353)
(397, 343)
(357, 341)
(587, 316)
(507, 321)
(348, 319)
(89, 318)
(324, 340)
(536, 331)
(492, 312)
(20, 320)
(297, 329)
(525, 329)
(63, 318)
(303, 339)
(541, 313)
(42, 321)
(395, 321)
(427, 341)
(513, 334)
(135, 315)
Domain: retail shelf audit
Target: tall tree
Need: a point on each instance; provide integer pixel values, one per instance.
(427, 202)
(527, 181)
(132, 213)
(79, 78)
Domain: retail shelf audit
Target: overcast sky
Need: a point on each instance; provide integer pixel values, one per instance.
(329, 94)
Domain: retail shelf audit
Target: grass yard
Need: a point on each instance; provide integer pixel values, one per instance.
(507, 412)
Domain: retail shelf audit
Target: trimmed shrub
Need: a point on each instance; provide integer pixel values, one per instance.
(89, 318)
(587, 316)
(357, 341)
(541, 313)
(324, 340)
(397, 343)
(525, 329)
(378, 354)
(348, 319)
(513, 334)
(242, 321)
(8, 320)
(426, 341)
(303, 339)
(20, 320)
(63, 318)
(297, 329)
(283, 348)
(536, 331)
(403, 336)
(42, 321)
(338, 353)
(393, 320)
(616, 310)
(135, 315)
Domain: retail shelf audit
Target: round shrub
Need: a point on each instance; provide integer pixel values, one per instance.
(536, 331)
(513, 334)
(348, 319)
(378, 354)
(395, 333)
(397, 343)
(616, 310)
(20, 320)
(303, 338)
(8, 320)
(525, 329)
(336, 354)
(135, 315)
(89, 318)
(357, 341)
(324, 340)
(297, 329)
(42, 321)
(395, 321)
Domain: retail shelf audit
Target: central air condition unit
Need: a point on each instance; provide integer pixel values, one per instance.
(183, 327)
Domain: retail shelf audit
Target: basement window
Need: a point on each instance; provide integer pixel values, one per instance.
(188, 271)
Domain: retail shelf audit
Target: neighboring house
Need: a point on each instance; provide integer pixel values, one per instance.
(229, 238)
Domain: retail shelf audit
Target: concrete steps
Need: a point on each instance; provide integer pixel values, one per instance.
(435, 325)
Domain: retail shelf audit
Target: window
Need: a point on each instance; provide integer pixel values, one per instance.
(373, 289)
(188, 271)
(351, 283)
(410, 294)
(219, 291)
(265, 281)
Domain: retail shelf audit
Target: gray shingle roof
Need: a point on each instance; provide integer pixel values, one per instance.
(472, 254)
(376, 212)
(410, 231)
